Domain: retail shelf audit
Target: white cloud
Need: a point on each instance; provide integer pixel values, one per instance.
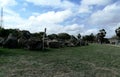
(11, 17)
(52, 17)
(86, 5)
(25, 4)
(89, 31)
(50, 20)
(95, 2)
(107, 18)
(56, 28)
(23, 9)
(54, 21)
(73, 29)
(53, 3)
(7, 3)
(45, 2)
(109, 15)
(84, 9)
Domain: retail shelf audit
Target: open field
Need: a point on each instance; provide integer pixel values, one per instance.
(88, 61)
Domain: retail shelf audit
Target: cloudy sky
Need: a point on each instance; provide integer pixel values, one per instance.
(71, 16)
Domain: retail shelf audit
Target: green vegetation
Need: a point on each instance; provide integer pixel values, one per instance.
(117, 31)
(88, 61)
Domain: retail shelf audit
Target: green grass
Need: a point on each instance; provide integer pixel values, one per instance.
(88, 61)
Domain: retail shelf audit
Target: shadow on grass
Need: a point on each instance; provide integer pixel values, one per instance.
(7, 51)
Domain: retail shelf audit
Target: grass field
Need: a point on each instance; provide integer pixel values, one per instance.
(88, 61)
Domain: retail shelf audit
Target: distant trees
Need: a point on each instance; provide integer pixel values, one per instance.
(38, 35)
(73, 39)
(6, 32)
(114, 37)
(53, 36)
(101, 35)
(64, 36)
(117, 31)
(79, 36)
(13, 38)
(89, 38)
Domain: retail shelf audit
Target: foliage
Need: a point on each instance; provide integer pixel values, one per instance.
(26, 34)
(73, 38)
(79, 36)
(11, 41)
(6, 32)
(117, 31)
(64, 36)
(54, 44)
(35, 44)
(106, 40)
(53, 36)
(89, 38)
(101, 35)
(15, 32)
(39, 35)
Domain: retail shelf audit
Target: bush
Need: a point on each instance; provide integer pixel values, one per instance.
(34, 44)
(1, 41)
(54, 44)
(10, 42)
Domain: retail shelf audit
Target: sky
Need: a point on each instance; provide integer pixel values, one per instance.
(58, 16)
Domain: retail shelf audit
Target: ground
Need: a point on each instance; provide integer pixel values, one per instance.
(88, 61)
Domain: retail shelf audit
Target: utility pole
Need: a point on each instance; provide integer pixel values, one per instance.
(44, 38)
(1, 20)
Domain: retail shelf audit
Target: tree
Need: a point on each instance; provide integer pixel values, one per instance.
(89, 38)
(117, 31)
(64, 36)
(92, 37)
(53, 36)
(26, 34)
(38, 35)
(79, 36)
(101, 35)
(15, 32)
(4, 32)
(73, 39)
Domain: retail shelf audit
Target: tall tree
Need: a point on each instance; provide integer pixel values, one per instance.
(101, 35)
(79, 36)
(117, 31)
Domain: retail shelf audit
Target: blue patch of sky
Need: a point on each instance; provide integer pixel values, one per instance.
(118, 2)
(96, 8)
(75, 1)
(78, 19)
(114, 1)
(31, 8)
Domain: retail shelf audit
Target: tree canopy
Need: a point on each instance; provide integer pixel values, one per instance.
(64, 36)
(101, 35)
(117, 31)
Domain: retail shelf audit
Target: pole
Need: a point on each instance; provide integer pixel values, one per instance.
(1, 18)
(44, 38)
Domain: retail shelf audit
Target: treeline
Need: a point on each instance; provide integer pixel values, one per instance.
(15, 38)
